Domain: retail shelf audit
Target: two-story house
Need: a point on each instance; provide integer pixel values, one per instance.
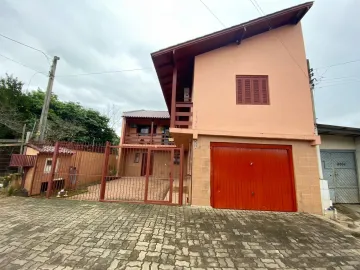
(143, 130)
(240, 97)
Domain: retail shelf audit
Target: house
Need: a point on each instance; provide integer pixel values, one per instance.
(340, 161)
(143, 130)
(240, 99)
(78, 166)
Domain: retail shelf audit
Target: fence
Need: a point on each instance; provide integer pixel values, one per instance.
(143, 174)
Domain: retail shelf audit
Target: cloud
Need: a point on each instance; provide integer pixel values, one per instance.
(96, 36)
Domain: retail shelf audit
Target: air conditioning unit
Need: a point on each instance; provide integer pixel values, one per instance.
(186, 94)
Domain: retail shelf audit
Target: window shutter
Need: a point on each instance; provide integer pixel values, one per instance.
(247, 91)
(256, 91)
(239, 91)
(264, 91)
(252, 89)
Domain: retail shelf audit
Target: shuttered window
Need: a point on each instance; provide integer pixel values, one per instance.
(252, 89)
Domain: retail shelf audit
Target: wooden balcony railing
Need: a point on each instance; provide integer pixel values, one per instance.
(18, 160)
(156, 138)
(183, 115)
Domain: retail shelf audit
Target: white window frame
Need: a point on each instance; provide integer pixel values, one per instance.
(47, 168)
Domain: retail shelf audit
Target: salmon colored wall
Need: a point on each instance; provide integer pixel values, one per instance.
(29, 174)
(214, 95)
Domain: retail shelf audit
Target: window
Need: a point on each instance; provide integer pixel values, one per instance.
(176, 158)
(137, 158)
(48, 164)
(252, 89)
(145, 130)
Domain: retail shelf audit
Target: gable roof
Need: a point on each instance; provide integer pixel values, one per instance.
(183, 54)
(147, 114)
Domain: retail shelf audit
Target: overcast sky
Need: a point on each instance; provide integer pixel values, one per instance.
(97, 36)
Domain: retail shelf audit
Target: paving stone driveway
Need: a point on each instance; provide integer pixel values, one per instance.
(59, 234)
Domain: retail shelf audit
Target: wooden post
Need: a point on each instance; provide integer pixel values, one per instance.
(53, 169)
(173, 98)
(147, 174)
(181, 180)
(105, 171)
(171, 174)
(152, 132)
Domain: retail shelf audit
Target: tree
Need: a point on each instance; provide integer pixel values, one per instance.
(67, 121)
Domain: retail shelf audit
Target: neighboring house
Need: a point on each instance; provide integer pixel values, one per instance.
(340, 161)
(144, 129)
(74, 168)
(240, 98)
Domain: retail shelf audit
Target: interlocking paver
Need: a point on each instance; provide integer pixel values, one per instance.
(65, 235)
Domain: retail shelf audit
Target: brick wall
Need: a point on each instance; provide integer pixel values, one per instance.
(306, 174)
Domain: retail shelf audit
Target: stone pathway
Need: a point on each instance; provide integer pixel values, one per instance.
(63, 234)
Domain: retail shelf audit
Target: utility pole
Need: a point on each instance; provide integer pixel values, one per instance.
(40, 135)
(312, 86)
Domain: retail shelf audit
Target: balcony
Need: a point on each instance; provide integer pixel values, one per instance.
(18, 160)
(156, 138)
(183, 115)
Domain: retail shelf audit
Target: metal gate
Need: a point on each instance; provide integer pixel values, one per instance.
(145, 174)
(339, 169)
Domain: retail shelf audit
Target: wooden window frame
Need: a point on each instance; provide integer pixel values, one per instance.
(137, 157)
(47, 168)
(240, 89)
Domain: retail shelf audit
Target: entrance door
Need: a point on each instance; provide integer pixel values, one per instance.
(252, 177)
(339, 169)
(144, 162)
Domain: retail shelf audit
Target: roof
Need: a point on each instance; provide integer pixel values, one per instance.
(49, 149)
(183, 54)
(324, 129)
(147, 114)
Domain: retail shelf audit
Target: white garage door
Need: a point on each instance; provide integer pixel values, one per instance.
(339, 169)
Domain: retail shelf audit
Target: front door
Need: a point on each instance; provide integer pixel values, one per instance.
(339, 169)
(144, 163)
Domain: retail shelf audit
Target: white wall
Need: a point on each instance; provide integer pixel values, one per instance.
(335, 142)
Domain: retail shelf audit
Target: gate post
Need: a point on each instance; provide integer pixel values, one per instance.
(105, 172)
(181, 180)
(53, 169)
(147, 174)
(171, 174)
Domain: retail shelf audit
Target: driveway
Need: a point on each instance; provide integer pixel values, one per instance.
(64, 234)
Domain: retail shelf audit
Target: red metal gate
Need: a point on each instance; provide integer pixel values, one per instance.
(143, 174)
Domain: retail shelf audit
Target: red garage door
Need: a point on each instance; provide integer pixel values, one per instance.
(252, 177)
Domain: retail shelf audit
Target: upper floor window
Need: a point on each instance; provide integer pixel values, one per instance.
(252, 89)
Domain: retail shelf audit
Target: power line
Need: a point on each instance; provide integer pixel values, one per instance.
(261, 12)
(341, 83)
(103, 72)
(22, 64)
(338, 64)
(40, 51)
(339, 78)
(212, 13)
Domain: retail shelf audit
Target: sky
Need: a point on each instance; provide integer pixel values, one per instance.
(93, 36)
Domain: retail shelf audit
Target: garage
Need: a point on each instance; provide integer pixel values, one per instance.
(339, 169)
(252, 177)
